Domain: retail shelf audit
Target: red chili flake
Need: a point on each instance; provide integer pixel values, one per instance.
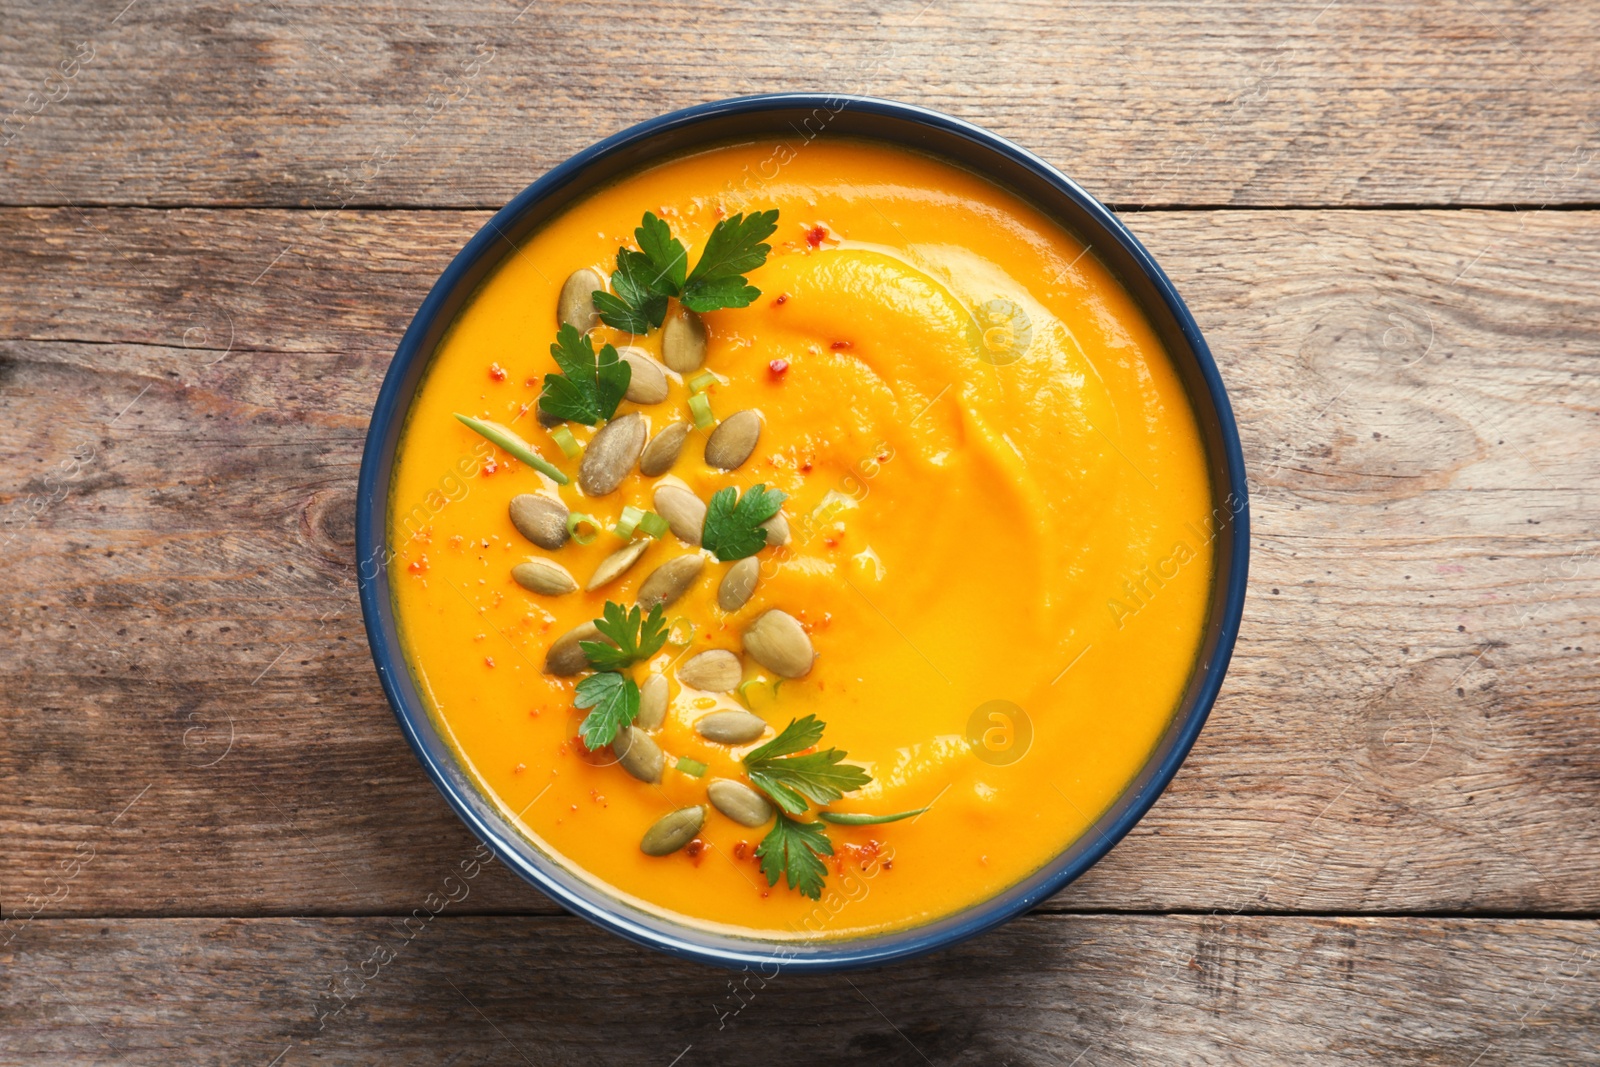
(534, 714)
(529, 383)
(805, 468)
(489, 468)
(488, 661)
(841, 345)
(497, 372)
(888, 865)
(831, 542)
(519, 768)
(695, 850)
(418, 565)
(741, 850)
(816, 235)
(777, 369)
(782, 299)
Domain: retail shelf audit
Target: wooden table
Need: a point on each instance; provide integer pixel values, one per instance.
(217, 221)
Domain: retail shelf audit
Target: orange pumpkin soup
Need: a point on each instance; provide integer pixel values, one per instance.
(995, 574)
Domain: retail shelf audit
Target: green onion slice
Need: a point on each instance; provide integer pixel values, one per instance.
(680, 631)
(702, 381)
(582, 528)
(691, 766)
(628, 522)
(516, 447)
(700, 408)
(569, 444)
(653, 524)
(849, 818)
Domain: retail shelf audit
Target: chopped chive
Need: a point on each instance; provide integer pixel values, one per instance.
(849, 818)
(653, 524)
(702, 381)
(582, 528)
(628, 522)
(515, 447)
(700, 408)
(680, 631)
(744, 696)
(691, 766)
(569, 444)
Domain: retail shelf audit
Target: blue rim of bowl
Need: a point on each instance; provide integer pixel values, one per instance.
(592, 902)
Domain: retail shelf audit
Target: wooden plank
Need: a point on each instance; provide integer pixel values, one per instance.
(1409, 723)
(1088, 990)
(463, 103)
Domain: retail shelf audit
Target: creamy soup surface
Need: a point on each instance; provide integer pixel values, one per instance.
(999, 544)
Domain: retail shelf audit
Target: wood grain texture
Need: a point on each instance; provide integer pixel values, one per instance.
(463, 103)
(1409, 723)
(1045, 990)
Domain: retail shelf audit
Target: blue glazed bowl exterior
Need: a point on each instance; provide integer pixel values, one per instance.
(798, 117)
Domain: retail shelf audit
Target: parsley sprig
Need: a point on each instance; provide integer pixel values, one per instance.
(793, 848)
(732, 528)
(590, 385)
(612, 696)
(635, 636)
(645, 279)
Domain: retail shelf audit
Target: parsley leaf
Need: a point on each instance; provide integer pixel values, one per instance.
(637, 636)
(615, 700)
(664, 251)
(734, 248)
(644, 279)
(590, 386)
(791, 780)
(818, 776)
(798, 736)
(732, 528)
(794, 849)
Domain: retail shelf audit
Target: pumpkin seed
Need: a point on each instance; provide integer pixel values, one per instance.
(777, 529)
(731, 727)
(683, 342)
(638, 754)
(612, 567)
(669, 581)
(684, 512)
(610, 454)
(648, 384)
(739, 802)
(652, 703)
(739, 584)
(564, 658)
(731, 443)
(662, 451)
(545, 576)
(540, 519)
(777, 641)
(716, 671)
(673, 830)
(575, 306)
